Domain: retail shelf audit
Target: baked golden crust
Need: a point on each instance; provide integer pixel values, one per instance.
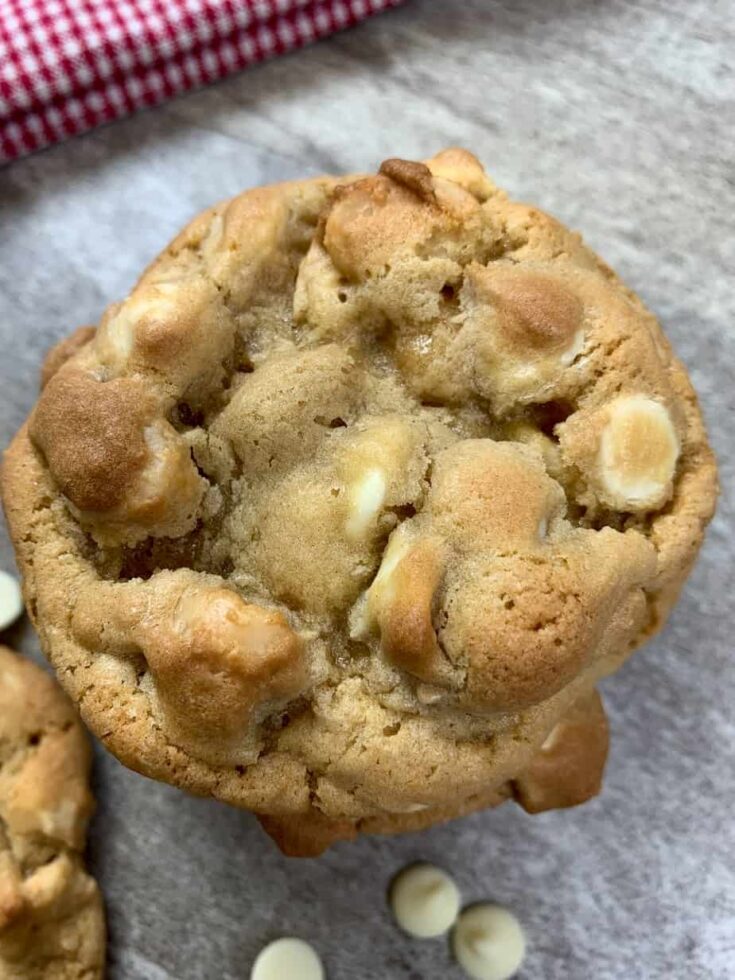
(397, 469)
(61, 352)
(565, 771)
(51, 918)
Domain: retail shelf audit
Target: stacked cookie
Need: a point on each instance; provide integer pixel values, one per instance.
(51, 918)
(359, 493)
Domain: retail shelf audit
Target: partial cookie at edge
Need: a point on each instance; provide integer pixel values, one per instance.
(51, 915)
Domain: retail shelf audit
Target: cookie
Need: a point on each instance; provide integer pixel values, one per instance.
(364, 486)
(52, 923)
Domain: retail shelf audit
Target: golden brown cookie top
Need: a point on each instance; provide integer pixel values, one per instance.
(360, 465)
(51, 920)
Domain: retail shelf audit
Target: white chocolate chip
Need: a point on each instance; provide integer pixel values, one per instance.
(380, 467)
(488, 942)
(396, 550)
(570, 354)
(115, 340)
(638, 453)
(287, 959)
(366, 499)
(365, 612)
(425, 901)
(551, 739)
(11, 601)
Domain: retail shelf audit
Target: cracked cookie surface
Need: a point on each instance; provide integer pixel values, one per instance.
(355, 497)
(51, 918)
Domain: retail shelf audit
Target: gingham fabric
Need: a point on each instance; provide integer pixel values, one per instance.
(69, 65)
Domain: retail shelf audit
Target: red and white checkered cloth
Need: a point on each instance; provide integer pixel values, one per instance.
(69, 65)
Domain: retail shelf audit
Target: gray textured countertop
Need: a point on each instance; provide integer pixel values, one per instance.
(618, 116)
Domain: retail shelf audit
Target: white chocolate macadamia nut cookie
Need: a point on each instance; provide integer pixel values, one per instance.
(287, 959)
(52, 924)
(343, 512)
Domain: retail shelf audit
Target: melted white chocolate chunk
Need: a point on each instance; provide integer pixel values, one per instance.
(398, 547)
(488, 942)
(425, 901)
(638, 453)
(365, 612)
(376, 468)
(117, 335)
(367, 498)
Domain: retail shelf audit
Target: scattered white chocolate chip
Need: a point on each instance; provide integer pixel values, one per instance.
(551, 739)
(11, 601)
(638, 452)
(425, 901)
(366, 499)
(364, 613)
(287, 959)
(488, 942)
